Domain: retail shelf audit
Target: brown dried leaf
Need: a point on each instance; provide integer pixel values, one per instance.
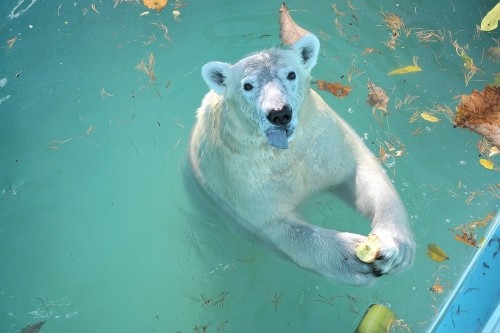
(33, 328)
(337, 89)
(480, 112)
(437, 288)
(155, 4)
(466, 237)
(482, 223)
(290, 31)
(377, 97)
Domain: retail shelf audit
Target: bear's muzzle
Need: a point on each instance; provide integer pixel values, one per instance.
(281, 118)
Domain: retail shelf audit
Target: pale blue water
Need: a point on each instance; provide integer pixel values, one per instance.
(97, 231)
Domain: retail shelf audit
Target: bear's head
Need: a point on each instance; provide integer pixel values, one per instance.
(267, 88)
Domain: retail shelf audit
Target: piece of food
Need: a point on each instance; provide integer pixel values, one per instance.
(368, 250)
(378, 318)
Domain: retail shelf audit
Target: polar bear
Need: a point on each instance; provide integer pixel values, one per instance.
(264, 141)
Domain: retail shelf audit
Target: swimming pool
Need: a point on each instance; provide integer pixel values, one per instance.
(97, 100)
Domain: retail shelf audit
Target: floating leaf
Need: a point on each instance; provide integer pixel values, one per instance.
(480, 112)
(437, 288)
(466, 237)
(486, 163)
(377, 97)
(468, 61)
(490, 21)
(436, 253)
(290, 32)
(337, 89)
(155, 4)
(429, 117)
(33, 328)
(405, 70)
(482, 223)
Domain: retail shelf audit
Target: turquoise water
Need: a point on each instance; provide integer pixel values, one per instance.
(97, 229)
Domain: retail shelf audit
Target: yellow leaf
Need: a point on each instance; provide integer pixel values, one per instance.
(404, 70)
(490, 21)
(429, 117)
(436, 253)
(486, 163)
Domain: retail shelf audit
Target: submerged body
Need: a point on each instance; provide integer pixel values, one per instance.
(264, 141)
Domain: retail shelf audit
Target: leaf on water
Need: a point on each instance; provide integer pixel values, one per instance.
(429, 117)
(33, 328)
(480, 112)
(482, 223)
(336, 89)
(155, 4)
(437, 288)
(405, 70)
(466, 237)
(436, 253)
(377, 97)
(468, 61)
(490, 21)
(290, 32)
(487, 164)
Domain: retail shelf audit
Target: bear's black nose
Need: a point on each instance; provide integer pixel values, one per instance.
(280, 117)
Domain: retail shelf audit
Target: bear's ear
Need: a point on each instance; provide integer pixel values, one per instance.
(215, 75)
(308, 49)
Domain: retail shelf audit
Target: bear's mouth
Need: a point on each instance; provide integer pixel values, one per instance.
(278, 137)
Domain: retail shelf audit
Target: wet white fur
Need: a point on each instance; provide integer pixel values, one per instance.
(261, 186)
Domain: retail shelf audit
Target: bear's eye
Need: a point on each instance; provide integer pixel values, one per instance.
(291, 76)
(247, 86)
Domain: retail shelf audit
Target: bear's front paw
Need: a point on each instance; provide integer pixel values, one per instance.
(351, 269)
(396, 252)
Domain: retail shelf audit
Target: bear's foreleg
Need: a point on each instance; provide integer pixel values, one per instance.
(377, 199)
(329, 253)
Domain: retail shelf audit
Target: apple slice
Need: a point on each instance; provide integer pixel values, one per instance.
(368, 250)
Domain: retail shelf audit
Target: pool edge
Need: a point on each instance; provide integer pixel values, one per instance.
(457, 312)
